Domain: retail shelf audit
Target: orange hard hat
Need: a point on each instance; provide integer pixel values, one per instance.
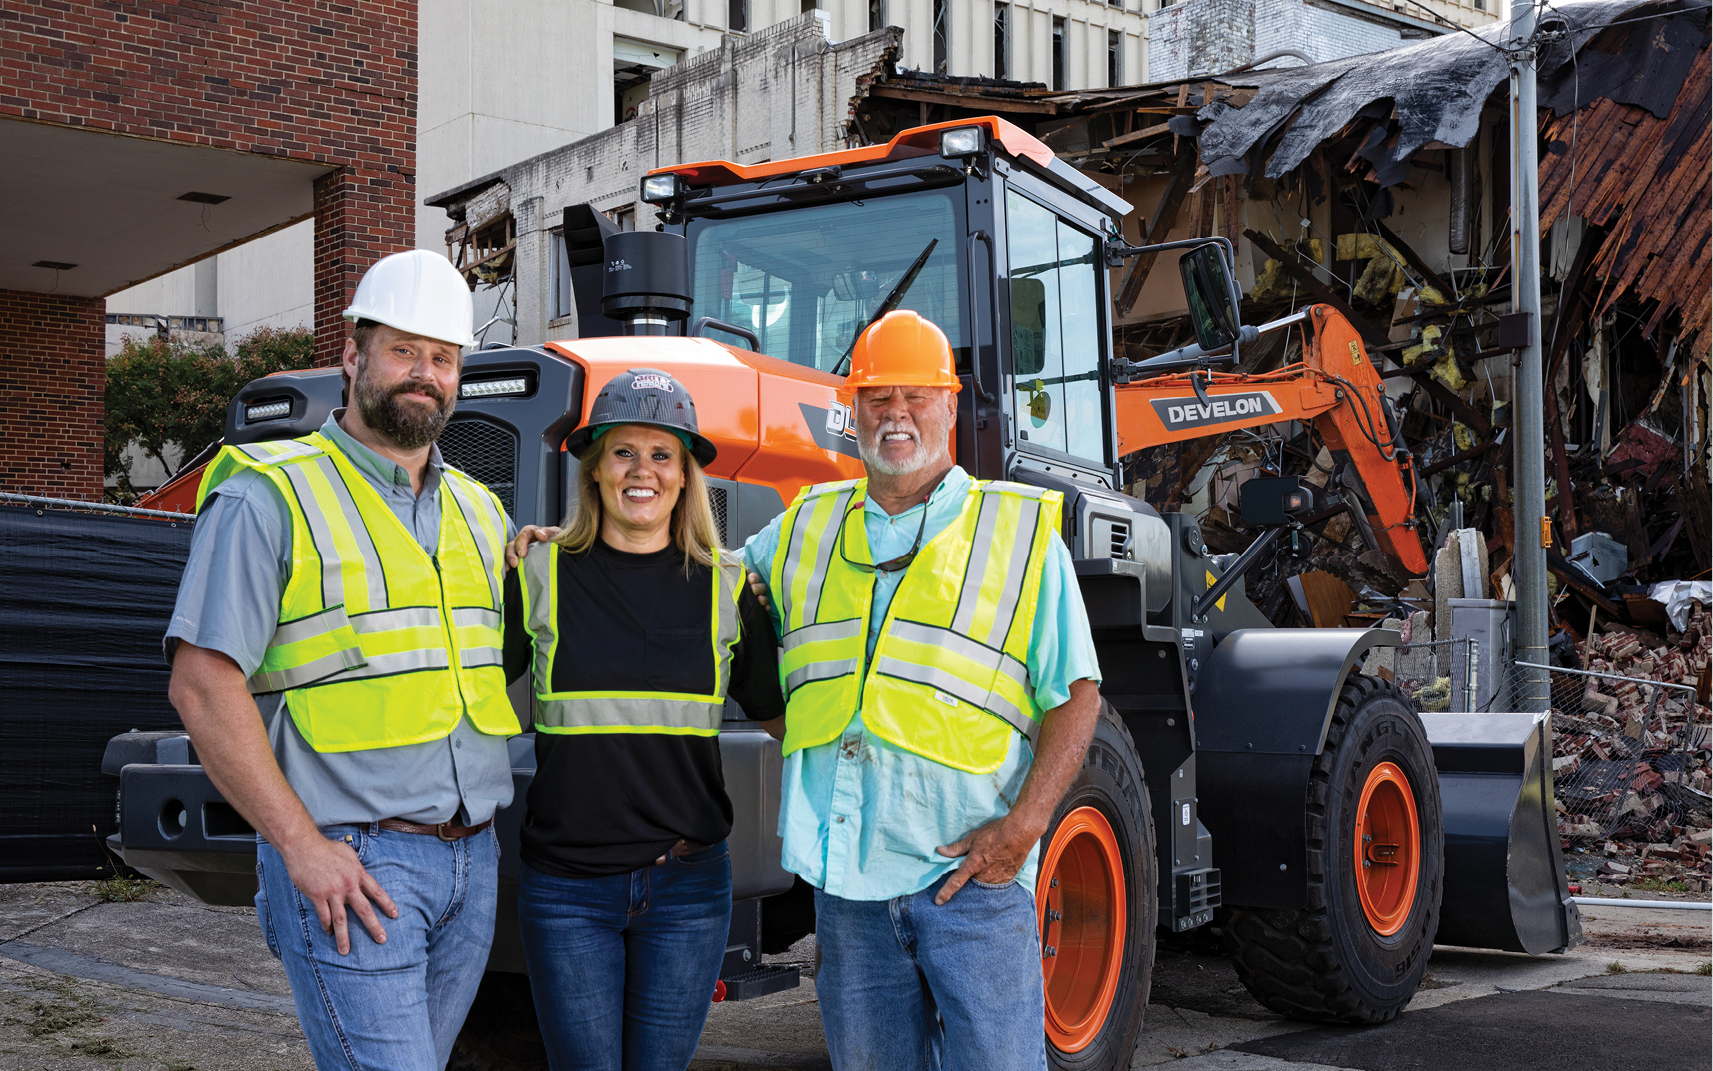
(901, 349)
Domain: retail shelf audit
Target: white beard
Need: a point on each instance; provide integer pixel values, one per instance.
(924, 456)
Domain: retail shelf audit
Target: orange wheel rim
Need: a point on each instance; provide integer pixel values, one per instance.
(1387, 849)
(1079, 900)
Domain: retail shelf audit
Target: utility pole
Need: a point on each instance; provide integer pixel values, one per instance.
(1532, 533)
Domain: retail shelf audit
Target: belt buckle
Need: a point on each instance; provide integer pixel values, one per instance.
(440, 831)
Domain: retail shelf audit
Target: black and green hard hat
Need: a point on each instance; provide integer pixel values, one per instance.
(644, 396)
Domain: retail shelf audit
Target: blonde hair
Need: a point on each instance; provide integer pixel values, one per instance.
(693, 530)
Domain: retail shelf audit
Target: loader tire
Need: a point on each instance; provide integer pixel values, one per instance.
(1098, 877)
(1356, 953)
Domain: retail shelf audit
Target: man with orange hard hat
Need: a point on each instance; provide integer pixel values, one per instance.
(941, 688)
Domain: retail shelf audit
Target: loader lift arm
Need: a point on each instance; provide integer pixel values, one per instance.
(1335, 388)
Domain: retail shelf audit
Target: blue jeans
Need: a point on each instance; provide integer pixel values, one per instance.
(905, 985)
(397, 1006)
(623, 967)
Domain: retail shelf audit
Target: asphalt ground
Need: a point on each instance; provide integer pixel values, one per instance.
(163, 982)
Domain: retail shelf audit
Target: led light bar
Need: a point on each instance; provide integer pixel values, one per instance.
(261, 411)
(494, 388)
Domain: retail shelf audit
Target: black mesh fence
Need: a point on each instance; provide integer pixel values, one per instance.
(85, 598)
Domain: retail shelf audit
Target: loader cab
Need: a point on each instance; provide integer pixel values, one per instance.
(797, 255)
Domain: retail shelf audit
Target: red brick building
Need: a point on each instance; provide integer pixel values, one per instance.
(139, 136)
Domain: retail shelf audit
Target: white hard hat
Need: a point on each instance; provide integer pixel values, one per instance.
(418, 292)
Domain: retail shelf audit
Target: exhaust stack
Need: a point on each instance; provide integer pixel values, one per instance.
(646, 281)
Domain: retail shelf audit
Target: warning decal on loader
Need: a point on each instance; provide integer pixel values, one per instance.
(1192, 412)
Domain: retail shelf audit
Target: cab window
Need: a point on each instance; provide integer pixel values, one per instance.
(1055, 331)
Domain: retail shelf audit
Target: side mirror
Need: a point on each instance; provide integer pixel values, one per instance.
(1274, 501)
(1207, 286)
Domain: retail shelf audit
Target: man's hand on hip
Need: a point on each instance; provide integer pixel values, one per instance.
(332, 879)
(994, 853)
(225, 727)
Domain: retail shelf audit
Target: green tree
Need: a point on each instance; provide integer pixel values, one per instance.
(161, 392)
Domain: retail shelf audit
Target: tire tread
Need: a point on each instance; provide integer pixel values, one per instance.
(1288, 958)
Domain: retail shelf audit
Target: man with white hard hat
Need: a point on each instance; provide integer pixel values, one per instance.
(337, 661)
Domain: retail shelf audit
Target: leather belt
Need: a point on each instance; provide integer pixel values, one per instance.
(683, 848)
(447, 831)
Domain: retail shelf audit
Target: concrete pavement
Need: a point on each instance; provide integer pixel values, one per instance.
(167, 983)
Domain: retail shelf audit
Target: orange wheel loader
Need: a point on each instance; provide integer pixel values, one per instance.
(1241, 775)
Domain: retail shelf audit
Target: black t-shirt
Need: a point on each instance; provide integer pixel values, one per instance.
(609, 803)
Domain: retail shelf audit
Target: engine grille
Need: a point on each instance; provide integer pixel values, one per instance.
(717, 502)
(487, 452)
(1120, 539)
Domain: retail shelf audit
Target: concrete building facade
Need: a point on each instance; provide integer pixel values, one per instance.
(783, 91)
(505, 80)
(1206, 37)
(139, 139)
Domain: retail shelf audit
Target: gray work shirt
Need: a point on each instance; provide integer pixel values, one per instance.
(229, 600)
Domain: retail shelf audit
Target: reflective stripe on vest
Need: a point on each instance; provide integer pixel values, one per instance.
(949, 679)
(677, 713)
(379, 644)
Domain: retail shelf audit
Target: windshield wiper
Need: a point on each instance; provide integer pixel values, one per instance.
(886, 306)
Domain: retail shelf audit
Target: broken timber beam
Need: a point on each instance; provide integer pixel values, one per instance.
(1135, 136)
(972, 102)
(1440, 393)
(1431, 277)
(1183, 170)
(1317, 289)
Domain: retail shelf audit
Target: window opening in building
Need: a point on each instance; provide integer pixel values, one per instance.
(634, 63)
(807, 5)
(1001, 40)
(804, 280)
(1058, 53)
(561, 276)
(737, 16)
(1114, 58)
(942, 31)
(876, 15)
(1055, 331)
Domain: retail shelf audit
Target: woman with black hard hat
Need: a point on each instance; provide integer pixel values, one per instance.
(634, 626)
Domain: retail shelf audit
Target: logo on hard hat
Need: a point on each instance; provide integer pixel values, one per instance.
(652, 382)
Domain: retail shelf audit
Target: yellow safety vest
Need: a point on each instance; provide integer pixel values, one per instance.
(378, 643)
(949, 678)
(672, 713)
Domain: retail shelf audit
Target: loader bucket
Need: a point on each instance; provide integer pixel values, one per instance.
(1505, 883)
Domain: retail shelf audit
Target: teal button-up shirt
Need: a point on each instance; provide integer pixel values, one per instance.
(860, 817)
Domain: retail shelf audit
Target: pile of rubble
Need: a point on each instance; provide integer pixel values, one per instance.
(1631, 763)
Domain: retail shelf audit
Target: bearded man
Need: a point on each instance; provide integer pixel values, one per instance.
(337, 660)
(941, 689)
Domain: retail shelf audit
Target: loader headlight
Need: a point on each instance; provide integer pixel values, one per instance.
(963, 141)
(662, 189)
(1273, 501)
(505, 387)
(271, 409)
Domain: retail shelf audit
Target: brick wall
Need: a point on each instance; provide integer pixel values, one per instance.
(333, 84)
(52, 379)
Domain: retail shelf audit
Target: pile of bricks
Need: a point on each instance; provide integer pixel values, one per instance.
(1631, 771)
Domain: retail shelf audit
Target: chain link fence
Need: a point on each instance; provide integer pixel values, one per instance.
(1629, 755)
(1440, 675)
